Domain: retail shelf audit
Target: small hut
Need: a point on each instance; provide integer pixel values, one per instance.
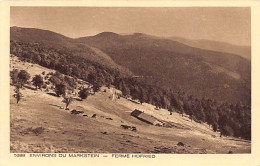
(146, 118)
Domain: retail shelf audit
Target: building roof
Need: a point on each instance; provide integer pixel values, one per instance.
(143, 116)
(148, 118)
(136, 112)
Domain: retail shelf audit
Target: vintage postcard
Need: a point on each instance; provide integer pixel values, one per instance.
(85, 82)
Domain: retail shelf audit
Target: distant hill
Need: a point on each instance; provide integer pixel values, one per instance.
(157, 61)
(54, 40)
(243, 51)
(174, 65)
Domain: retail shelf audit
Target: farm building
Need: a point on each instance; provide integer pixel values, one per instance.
(146, 118)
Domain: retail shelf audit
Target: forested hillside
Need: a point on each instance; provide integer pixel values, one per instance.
(243, 51)
(229, 118)
(54, 40)
(173, 65)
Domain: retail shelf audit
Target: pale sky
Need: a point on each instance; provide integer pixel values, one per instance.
(225, 24)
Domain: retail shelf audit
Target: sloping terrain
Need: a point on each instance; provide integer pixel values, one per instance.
(54, 40)
(40, 124)
(173, 65)
(243, 51)
(225, 77)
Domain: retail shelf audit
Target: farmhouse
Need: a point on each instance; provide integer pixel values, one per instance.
(146, 118)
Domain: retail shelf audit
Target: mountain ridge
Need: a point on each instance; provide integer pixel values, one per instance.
(179, 63)
(243, 51)
(170, 64)
(55, 40)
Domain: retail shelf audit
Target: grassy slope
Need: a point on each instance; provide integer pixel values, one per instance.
(64, 132)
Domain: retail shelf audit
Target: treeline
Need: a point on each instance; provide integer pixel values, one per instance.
(228, 118)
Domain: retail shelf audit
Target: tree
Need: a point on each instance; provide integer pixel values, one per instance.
(181, 110)
(96, 80)
(215, 126)
(134, 93)
(55, 80)
(14, 76)
(37, 81)
(96, 87)
(60, 89)
(71, 82)
(18, 95)
(191, 115)
(23, 77)
(67, 100)
(84, 93)
(170, 110)
(143, 96)
(165, 103)
(125, 90)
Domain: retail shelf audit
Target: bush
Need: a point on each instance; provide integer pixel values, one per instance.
(19, 78)
(44, 86)
(84, 93)
(38, 130)
(60, 89)
(23, 77)
(71, 82)
(37, 81)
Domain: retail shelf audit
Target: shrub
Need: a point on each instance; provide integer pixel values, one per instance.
(84, 93)
(38, 130)
(60, 89)
(37, 81)
(67, 100)
(44, 85)
(23, 77)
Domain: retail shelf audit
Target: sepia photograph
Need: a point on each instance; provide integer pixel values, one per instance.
(141, 80)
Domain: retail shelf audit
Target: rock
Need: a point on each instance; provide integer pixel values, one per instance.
(180, 144)
(67, 109)
(104, 133)
(230, 152)
(109, 118)
(85, 115)
(94, 116)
